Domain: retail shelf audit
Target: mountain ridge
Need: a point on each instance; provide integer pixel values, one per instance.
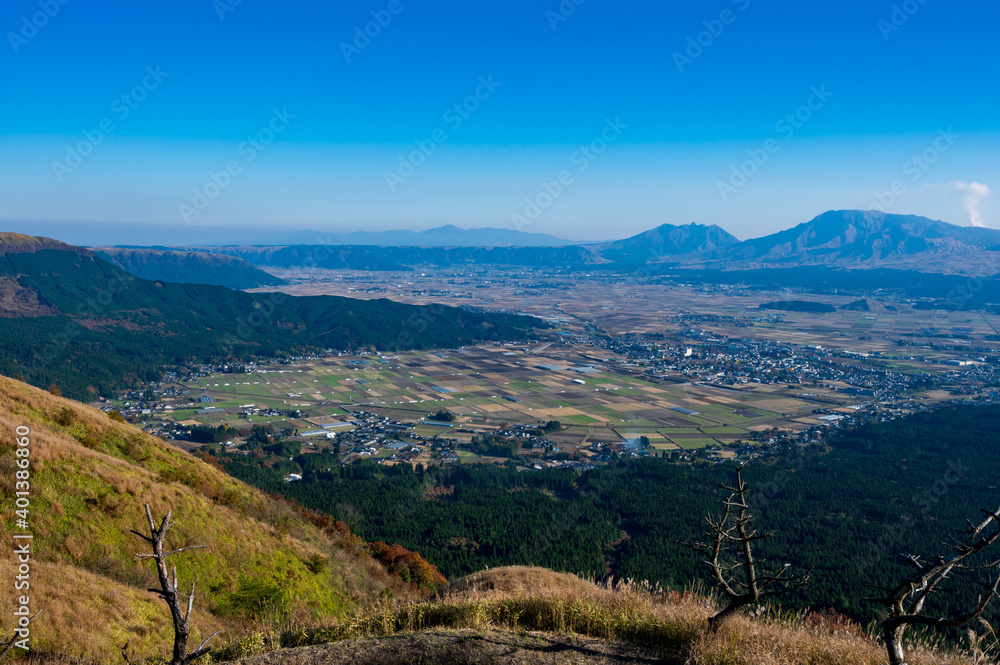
(863, 237)
(667, 241)
(836, 238)
(20, 243)
(188, 267)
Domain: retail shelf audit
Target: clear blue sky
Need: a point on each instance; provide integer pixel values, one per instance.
(676, 127)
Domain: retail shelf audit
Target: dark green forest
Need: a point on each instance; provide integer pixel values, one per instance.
(97, 329)
(798, 306)
(901, 486)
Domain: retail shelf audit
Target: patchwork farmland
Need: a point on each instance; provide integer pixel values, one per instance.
(596, 397)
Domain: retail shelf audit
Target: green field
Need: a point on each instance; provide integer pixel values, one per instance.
(409, 386)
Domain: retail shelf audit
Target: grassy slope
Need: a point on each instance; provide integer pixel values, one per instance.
(19, 242)
(532, 615)
(90, 477)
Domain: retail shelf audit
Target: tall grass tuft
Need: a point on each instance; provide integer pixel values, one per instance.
(671, 622)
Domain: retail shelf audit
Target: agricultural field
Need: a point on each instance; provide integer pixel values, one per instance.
(583, 372)
(584, 389)
(581, 302)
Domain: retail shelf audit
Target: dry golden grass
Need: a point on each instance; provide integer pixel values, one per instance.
(793, 641)
(455, 646)
(517, 599)
(519, 580)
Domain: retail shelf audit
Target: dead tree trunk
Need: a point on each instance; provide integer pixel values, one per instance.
(11, 644)
(737, 575)
(906, 600)
(168, 591)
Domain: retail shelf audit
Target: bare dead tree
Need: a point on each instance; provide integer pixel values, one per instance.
(9, 645)
(169, 593)
(737, 574)
(906, 600)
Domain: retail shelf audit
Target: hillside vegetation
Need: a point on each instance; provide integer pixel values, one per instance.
(15, 243)
(90, 475)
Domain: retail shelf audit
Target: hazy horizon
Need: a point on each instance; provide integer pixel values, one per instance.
(107, 234)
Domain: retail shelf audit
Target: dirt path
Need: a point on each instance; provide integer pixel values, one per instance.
(466, 647)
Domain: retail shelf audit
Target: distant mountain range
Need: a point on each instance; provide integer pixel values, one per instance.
(846, 238)
(441, 236)
(838, 239)
(835, 239)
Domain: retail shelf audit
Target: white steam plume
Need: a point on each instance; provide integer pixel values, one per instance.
(972, 194)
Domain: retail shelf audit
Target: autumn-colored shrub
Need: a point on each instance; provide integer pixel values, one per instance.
(410, 566)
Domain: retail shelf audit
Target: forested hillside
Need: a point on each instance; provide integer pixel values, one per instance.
(185, 267)
(901, 486)
(71, 319)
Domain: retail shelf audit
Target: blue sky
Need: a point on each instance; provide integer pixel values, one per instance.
(210, 117)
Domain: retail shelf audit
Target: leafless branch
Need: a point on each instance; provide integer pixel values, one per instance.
(11, 643)
(740, 581)
(168, 591)
(906, 600)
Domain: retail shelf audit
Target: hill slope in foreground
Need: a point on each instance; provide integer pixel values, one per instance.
(90, 476)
